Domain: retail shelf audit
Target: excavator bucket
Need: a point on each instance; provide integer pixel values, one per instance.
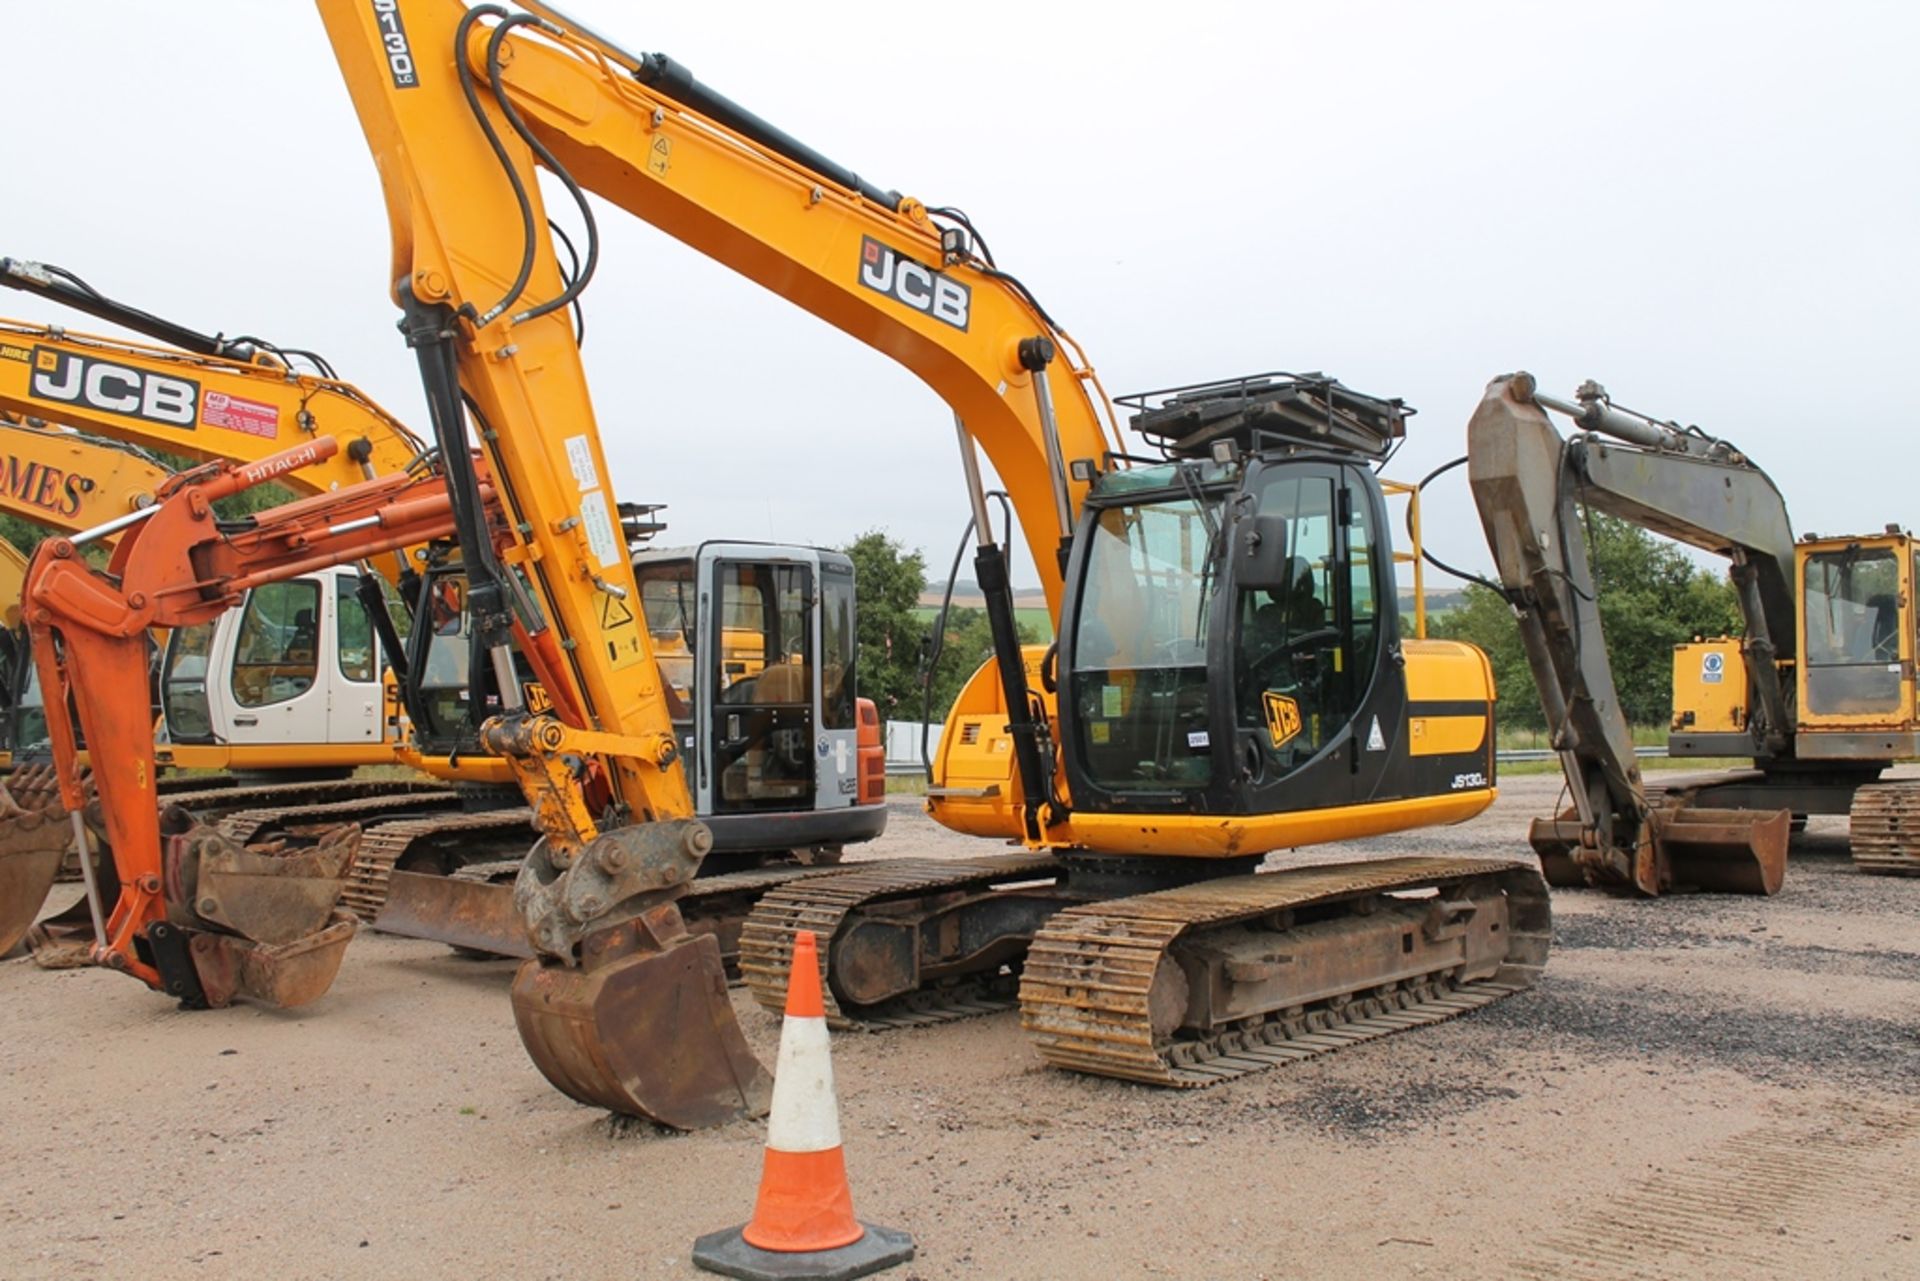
(32, 845)
(650, 1033)
(279, 975)
(264, 920)
(1724, 851)
(476, 915)
(1721, 851)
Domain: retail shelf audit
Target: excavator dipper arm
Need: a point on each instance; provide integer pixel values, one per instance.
(1529, 484)
(198, 916)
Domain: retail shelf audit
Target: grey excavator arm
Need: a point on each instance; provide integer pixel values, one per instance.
(1529, 484)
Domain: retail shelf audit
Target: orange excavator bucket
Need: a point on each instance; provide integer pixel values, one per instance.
(673, 1052)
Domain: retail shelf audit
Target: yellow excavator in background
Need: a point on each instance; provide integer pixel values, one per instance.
(1231, 676)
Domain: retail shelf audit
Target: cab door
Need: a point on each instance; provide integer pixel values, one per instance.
(758, 679)
(1318, 697)
(355, 704)
(282, 642)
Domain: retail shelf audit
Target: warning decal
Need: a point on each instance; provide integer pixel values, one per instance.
(237, 413)
(597, 524)
(580, 462)
(1376, 741)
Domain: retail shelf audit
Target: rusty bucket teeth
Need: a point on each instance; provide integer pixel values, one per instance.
(32, 844)
(1725, 851)
(651, 1034)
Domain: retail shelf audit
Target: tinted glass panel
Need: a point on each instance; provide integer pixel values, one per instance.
(358, 659)
(1138, 672)
(838, 645)
(277, 654)
(183, 685)
(1853, 633)
(1289, 669)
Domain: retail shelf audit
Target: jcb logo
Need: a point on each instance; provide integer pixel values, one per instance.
(1283, 719)
(922, 288)
(115, 389)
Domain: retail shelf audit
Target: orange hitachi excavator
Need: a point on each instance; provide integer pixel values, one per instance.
(198, 914)
(290, 683)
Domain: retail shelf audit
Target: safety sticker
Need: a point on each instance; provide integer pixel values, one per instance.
(1283, 719)
(660, 156)
(580, 459)
(599, 529)
(237, 413)
(1197, 740)
(1713, 667)
(1112, 701)
(1376, 741)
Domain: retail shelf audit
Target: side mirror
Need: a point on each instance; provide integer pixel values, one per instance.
(1260, 553)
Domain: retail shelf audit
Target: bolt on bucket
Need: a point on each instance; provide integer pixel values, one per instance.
(264, 920)
(477, 915)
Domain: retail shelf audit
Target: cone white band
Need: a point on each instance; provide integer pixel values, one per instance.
(805, 1116)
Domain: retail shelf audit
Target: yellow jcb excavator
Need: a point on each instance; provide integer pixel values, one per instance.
(1231, 675)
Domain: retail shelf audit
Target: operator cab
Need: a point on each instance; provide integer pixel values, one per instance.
(756, 646)
(1231, 642)
(1859, 641)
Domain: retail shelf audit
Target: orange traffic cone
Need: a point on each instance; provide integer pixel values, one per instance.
(803, 1227)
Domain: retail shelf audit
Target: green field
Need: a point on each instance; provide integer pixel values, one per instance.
(1032, 616)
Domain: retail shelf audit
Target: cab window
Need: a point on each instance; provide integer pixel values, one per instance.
(276, 656)
(354, 643)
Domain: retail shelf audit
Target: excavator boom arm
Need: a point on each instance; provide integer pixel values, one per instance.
(203, 407)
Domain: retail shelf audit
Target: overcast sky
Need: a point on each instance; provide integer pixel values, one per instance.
(1712, 208)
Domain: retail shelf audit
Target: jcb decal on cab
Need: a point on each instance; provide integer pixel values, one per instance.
(1283, 719)
(886, 271)
(67, 379)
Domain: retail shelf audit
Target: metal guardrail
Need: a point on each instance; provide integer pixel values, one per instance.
(1516, 755)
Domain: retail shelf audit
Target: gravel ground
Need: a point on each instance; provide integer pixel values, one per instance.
(1699, 1087)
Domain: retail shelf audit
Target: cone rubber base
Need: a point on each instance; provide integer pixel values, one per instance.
(728, 1254)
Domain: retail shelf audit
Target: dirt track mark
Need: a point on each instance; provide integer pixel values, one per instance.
(1724, 1211)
